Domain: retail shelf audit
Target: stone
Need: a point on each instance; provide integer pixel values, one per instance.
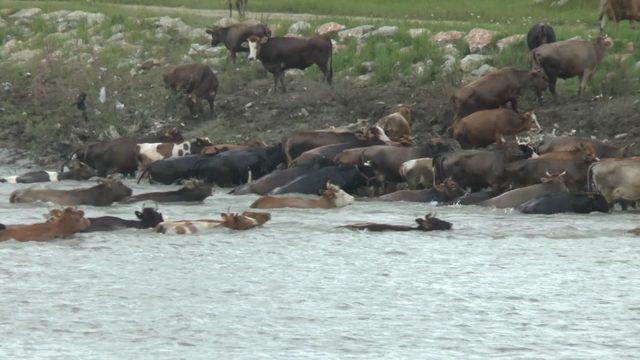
(91, 18)
(294, 73)
(26, 14)
(478, 39)
(329, 27)
(384, 31)
(637, 65)
(367, 66)
(447, 37)
(450, 49)
(299, 27)
(355, 32)
(448, 65)
(621, 136)
(148, 64)
(56, 15)
(339, 48)
(629, 47)
(117, 28)
(116, 37)
(364, 79)
(166, 24)
(291, 35)
(509, 41)
(199, 34)
(24, 55)
(483, 70)
(419, 69)
(559, 3)
(225, 21)
(10, 46)
(414, 33)
(472, 62)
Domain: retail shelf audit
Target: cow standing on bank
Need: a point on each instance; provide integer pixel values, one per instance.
(235, 35)
(197, 81)
(282, 53)
(618, 10)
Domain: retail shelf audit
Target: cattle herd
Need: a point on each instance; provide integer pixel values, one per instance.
(486, 157)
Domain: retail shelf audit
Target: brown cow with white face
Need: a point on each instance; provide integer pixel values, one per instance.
(235, 35)
(618, 10)
(570, 58)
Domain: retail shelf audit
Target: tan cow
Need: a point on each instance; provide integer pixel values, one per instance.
(62, 224)
(332, 197)
(618, 10)
(617, 179)
(418, 172)
(485, 127)
(397, 125)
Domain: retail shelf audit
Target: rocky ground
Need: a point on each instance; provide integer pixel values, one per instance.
(49, 58)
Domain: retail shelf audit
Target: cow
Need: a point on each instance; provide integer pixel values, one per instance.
(147, 153)
(107, 192)
(398, 124)
(477, 169)
(218, 148)
(418, 172)
(77, 170)
(195, 80)
(429, 223)
(119, 155)
(241, 6)
(549, 184)
(192, 191)
(575, 163)
(570, 58)
(484, 127)
(279, 54)
(440, 193)
(313, 181)
(617, 179)
(62, 224)
(635, 231)
(572, 143)
(618, 10)
(245, 221)
(564, 202)
(539, 34)
(332, 197)
(300, 141)
(275, 179)
(497, 88)
(149, 218)
(235, 35)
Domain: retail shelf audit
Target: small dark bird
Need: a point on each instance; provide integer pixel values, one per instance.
(80, 101)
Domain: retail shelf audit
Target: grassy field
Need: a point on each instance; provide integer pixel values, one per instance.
(38, 111)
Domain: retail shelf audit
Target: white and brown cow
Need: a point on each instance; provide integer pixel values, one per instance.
(617, 179)
(147, 153)
(418, 172)
(245, 221)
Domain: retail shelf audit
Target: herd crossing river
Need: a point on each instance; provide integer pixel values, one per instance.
(500, 284)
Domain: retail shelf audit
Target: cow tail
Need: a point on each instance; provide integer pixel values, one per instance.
(14, 197)
(146, 170)
(438, 168)
(330, 76)
(590, 184)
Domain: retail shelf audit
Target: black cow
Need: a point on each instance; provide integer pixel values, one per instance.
(149, 218)
(172, 170)
(235, 35)
(282, 53)
(581, 203)
(539, 34)
(267, 183)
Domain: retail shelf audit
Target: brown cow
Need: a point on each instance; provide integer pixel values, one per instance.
(429, 223)
(282, 53)
(496, 89)
(218, 148)
(440, 193)
(573, 143)
(235, 35)
(332, 197)
(575, 163)
(618, 10)
(483, 128)
(617, 179)
(549, 184)
(197, 81)
(107, 192)
(241, 6)
(245, 221)
(62, 224)
(569, 58)
(398, 124)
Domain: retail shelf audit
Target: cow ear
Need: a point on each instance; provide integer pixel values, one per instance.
(55, 212)
(139, 215)
(263, 40)
(245, 45)
(209, 31)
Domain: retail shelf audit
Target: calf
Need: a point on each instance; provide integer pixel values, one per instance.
(485, 127)
(332, 197)
(497, 88)
(148, 218)
(429, 223)
(539, 34)
(150, 152)
(617, 179)
(77, 170)
(570, 58)
(192, 191)
(397, 125)
(197, 81)
(235, 35)
(618, 10)
(105, 193)
(418, 172)
(563, 202)
(62, 224)
(245, 221)
(282, 53)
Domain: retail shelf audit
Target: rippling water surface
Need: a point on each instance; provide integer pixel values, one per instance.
(500, 285)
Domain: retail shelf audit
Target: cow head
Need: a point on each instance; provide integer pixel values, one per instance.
(79, 170)
(603, 42)
(450, 189)
(404, 110)
(431, 223)
(172, 135)
(149, 217)
(254, 44)
(198, 144)
(69, 220)
(216, 34)
(337, 196)
(245, 221)
(531, 121)
(538, 80)
(115, 187)
(564, 179)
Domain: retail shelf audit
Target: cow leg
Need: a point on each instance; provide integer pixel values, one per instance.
(284, 90)
(210, 101)
(514, 104)
(325, 72)
(603, 21)
(552, 84)
(580, 81)
(586, 75)
(275, 82)
(233, 56)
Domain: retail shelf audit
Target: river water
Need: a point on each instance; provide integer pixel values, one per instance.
(501, 284)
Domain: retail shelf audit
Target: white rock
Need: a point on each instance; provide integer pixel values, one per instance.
(445, 37)
(419, 69)
(483, 70)
(116, 37)
(367, 66)
(10, 46)
(24, 55)
(414, 33)
(293, 73)
(472, 62)
(508, 41)
(478, 39)
(299, 27)
(26, 13)
(91, 18)
(103, 95)
(56, 15)
(384, 31)
(364, 79)
(225, 21)
(166, 24)
(448, 65)
(198, 34)
(329, 27)
(355, 32)
(638, 65)
(450, 49)
(621, 136)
